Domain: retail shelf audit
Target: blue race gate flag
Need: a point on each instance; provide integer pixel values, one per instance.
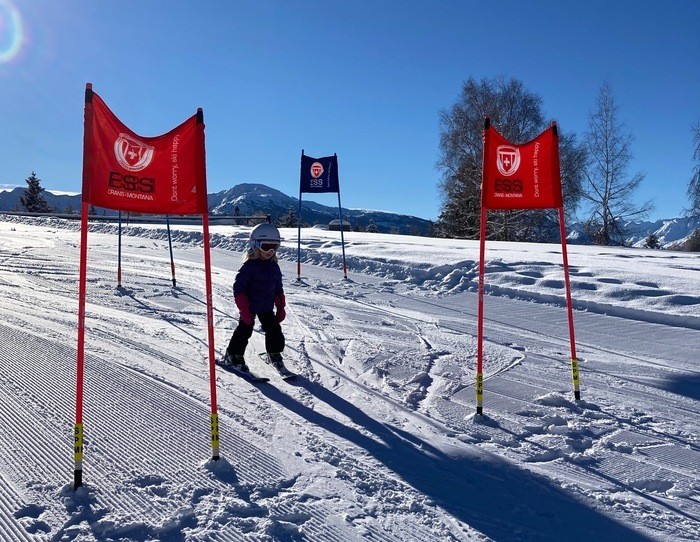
(319, 174)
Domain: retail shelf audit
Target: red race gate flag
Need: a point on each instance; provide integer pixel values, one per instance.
(521, 176)
(164, 175)
(128, 172)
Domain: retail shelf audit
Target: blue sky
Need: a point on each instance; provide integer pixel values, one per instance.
(363, 79)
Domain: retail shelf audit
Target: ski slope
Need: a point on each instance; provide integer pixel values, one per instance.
(377, 439)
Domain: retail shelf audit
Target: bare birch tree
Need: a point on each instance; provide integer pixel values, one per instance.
(693, 192)
(608, 189)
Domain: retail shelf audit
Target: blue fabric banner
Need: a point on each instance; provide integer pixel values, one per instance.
(319, 174)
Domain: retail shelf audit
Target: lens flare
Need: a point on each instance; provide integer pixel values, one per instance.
(10, 31)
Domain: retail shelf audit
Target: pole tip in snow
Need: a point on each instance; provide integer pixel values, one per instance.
(77, 479)
(577, 395)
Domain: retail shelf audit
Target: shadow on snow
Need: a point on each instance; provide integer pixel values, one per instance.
(491, 495)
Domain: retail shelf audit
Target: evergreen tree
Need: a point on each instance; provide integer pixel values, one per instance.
(289, 220)
(33, 200)
(693, 242)
(652, 241)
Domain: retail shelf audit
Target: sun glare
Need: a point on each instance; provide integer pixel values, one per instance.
(10, 31)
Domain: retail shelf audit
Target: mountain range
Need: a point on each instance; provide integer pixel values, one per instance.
(255, 198)
(249, 199)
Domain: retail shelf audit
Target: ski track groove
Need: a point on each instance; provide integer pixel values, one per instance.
(319, 343)
(505, 327)
(511, 391)
(116, 449)
(617, 470)
(321, 528)
(11, 502)
(173, 412)
(372, 474)
(106, 378)
(547, 332)
(240, 447)
(314, 518)
(381, 472)
(100, 432)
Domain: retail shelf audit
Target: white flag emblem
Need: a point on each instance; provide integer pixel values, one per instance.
(132, 154)
(508, 159)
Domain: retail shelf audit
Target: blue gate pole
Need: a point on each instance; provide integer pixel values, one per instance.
(119, 253)
(170, 244)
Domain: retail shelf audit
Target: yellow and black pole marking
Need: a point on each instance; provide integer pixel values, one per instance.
(215, 436)
(479, 393)
(575, 377)
(78, 456)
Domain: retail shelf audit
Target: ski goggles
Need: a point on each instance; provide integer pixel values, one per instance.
(265, 247)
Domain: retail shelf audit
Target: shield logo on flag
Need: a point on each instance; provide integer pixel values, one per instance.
(316, 170)
(132, 154)
(508, 160)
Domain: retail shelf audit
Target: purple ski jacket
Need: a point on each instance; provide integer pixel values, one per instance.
(261, 282)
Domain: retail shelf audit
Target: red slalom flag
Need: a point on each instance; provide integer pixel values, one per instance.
(124, 171)
(521, 176)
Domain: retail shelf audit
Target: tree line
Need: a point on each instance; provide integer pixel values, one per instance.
(595, 179)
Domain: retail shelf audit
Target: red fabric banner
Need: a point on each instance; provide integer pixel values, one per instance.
(124, 171)
(521, 176)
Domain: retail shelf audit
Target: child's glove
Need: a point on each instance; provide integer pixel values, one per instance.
(280, 302)
(244, 309)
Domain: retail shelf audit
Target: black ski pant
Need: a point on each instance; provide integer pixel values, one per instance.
(274, 339)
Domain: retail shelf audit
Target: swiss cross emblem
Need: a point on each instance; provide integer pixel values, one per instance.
(131, 153)
(316, 170)
(508, 160)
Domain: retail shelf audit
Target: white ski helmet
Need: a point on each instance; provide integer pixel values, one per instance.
(264, 233)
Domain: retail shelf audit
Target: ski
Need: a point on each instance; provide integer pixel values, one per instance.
(247, 375)
(285, 373)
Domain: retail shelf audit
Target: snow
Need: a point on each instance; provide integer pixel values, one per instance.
(377, 439)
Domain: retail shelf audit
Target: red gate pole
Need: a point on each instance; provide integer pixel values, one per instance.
(82, 281)
(210, 330)
(480, 319)
(569, 307)
(80, 362)
(214, 418)
(482, 254)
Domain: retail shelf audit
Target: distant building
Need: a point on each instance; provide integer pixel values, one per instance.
(334, 225)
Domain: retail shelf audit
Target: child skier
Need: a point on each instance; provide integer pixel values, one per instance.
(257, 291)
